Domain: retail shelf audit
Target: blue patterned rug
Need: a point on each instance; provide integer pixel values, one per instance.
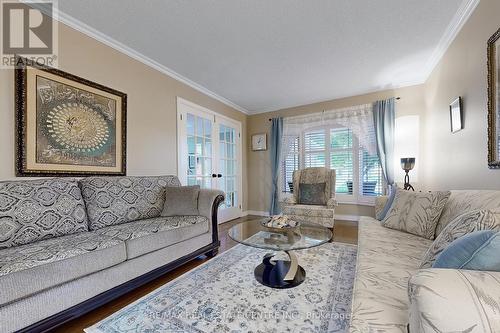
(222, 295)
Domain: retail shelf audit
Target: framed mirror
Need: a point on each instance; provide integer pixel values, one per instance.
(494, 101)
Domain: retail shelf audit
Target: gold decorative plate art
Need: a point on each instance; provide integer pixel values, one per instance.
(67, 125)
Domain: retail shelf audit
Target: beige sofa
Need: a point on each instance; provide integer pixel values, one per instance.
(67, 246)
(391, 293)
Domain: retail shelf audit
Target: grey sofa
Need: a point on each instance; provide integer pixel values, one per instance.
(68, 246)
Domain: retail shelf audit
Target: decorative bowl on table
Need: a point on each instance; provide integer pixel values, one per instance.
(280, 222)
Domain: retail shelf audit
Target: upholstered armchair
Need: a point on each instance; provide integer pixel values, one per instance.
(313, 197)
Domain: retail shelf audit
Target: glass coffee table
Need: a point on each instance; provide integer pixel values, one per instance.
(280, 273)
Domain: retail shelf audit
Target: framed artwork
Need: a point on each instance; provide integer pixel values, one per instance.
(66, 125)
(494, 101)
(259, 142)
(456, 115)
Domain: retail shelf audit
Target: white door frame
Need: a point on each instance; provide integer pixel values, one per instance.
(184, 106)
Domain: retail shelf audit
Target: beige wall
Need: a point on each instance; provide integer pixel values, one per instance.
(259, 185)
(151, 142)
(459, 161)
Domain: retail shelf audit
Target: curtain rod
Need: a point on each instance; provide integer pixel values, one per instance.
(397, 98)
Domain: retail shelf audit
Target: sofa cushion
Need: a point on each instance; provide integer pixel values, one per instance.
(476, 251)
(461, 226)
(116, 200)
(464, 201)
(309, 210)
(149, 235)
(416, 212)
(30, 268)
(39, 209)
(386, 260)
(452, 300)
(181, 200)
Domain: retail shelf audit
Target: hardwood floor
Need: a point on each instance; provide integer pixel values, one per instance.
(345, 232)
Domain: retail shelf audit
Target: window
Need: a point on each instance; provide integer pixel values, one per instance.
(358, 173)
(291, 164)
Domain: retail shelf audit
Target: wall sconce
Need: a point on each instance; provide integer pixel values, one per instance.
(407, 164)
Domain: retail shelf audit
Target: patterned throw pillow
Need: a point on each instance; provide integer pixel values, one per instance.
(460, 226)
(416, 212)
(312, 194)
(117, 200)
(32, 210)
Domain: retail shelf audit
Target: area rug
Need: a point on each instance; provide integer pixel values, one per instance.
(222, 295)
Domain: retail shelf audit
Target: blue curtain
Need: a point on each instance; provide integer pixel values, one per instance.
(384, 115)
(276, 134)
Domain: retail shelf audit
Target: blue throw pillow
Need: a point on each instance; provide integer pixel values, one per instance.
(476, 251)
(388, 205)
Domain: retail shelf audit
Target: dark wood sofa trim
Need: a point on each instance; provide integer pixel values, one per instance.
(84, 307)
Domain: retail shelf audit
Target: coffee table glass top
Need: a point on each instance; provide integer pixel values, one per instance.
(253, 233)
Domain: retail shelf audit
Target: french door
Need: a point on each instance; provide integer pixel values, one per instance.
(209, 154)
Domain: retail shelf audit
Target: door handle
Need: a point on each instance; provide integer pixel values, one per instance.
(214, 175)
(219, 175)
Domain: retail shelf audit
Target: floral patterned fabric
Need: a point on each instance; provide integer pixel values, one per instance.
(51, 250)
(416, 212)
(450, 300)
(314, 176)
(310, 213)
(39, 209)
(461, 226)
(223, 296)
(116, 200)
(386, 260)
(31, 268)
(461, 202)
(149, 235)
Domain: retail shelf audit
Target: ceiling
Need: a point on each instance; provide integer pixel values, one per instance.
(266, 55)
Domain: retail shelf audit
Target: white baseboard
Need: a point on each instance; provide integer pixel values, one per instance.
(341, 217)
(255, 212)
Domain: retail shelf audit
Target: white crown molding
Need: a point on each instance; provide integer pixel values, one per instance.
(462, 15)
(105, 39)
(416, 82)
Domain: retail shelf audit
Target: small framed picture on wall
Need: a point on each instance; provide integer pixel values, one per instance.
(456, 115)
(259, 142)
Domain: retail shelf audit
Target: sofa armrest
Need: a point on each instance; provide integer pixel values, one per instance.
(380, 203)
(209, 201)
(450, 300)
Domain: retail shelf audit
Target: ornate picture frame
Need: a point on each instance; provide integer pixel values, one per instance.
(494, 101)
(67, 125)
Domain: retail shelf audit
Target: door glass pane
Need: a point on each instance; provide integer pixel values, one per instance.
(207, 128)
(199, 146)
(190, 124)
(199, 126)
(228, 165)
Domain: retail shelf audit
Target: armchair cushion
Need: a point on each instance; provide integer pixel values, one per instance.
(314, 176)
(312, 194)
